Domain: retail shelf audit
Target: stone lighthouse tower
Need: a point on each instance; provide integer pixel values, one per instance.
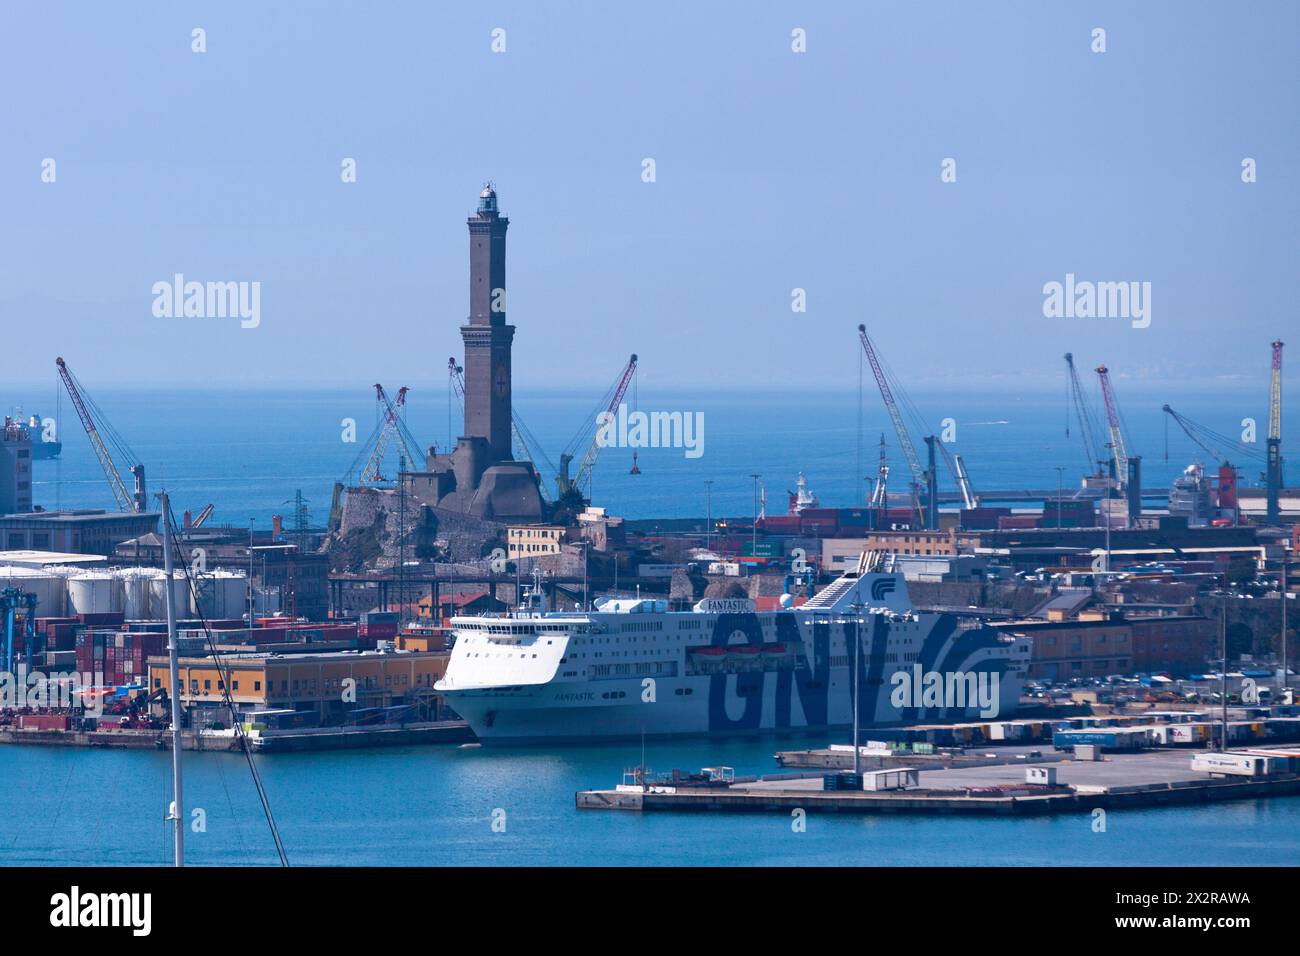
(487, 337)
(480, 475)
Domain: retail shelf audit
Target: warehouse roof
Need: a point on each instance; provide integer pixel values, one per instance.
(41, 559)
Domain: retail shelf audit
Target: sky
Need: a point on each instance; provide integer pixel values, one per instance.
(774, 170)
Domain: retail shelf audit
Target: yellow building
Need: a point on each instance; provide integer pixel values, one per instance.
(839, 554)
(530, 541)
(328, 683)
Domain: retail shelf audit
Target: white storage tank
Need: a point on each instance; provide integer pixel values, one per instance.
(158, 593)
(94, 592)
(221, 595)
(266, 602)
(50, 590)
(137, 595)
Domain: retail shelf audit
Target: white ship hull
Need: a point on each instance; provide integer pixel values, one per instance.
(634, 669)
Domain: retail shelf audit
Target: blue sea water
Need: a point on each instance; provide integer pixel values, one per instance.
(436, 806)
(247, 452)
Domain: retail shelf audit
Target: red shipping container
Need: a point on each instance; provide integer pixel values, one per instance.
(43, 721)
(106, 618)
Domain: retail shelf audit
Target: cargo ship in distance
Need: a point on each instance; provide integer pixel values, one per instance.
(632, 668)
(43, 448)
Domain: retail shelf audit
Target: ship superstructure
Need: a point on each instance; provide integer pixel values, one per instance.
(45, 443)
(631, 667)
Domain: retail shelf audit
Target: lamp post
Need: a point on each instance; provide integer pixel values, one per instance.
(1107, 500)
(1223, 643)
(585, 545)
(1060, 492)
(1286, 675)
(857, 643)
(708, 508)
(754, 537)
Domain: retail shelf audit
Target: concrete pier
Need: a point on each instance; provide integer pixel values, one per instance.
(1120, 781)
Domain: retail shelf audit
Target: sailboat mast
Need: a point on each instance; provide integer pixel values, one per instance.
(177, 814)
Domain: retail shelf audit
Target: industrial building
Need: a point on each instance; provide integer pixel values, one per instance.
(285, 577)
(15, 467)
(81, 531)
(841, 553)
(1096, 644)
(321, 683)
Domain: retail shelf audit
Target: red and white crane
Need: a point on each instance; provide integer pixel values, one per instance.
(393, 429)
(1273, 476)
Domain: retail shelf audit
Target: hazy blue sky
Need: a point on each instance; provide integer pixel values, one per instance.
(775, 170)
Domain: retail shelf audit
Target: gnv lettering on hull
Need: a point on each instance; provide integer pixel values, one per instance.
(918, 690)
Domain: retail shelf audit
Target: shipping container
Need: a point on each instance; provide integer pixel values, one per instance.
(1107, 739)
(855, 518)
(1231, 764)
(42, 721)
(1018, 522)
(842, 781)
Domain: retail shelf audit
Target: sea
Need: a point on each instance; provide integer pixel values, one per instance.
(249, 452)
(457, 806)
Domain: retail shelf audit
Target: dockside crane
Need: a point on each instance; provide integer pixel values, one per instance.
(96, 426)
(920, 477)
(880, 491)
(923, 479)
(392, 430)
(957, 468)
(367, 467)
(1127, 469)
(201, 518)
(1091, 450)
(1273, 474)
(1119, 451)
(1208, 440)
(581, 481)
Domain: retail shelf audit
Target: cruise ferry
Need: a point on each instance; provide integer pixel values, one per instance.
(630, 667)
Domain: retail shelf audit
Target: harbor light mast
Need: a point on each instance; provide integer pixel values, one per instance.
(177, 814)
(1273, 476)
